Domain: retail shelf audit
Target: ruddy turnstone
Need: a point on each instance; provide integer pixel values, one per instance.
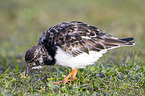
(73, 44)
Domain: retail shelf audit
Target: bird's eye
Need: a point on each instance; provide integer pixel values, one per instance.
(31, 61)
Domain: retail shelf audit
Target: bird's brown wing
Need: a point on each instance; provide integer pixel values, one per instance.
(78, 37)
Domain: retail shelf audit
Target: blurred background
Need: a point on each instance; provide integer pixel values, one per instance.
(22, 22)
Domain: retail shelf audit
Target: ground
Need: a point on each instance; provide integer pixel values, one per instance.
(119, 72)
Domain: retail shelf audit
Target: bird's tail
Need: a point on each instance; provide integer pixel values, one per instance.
(127, 40)
(114, 42)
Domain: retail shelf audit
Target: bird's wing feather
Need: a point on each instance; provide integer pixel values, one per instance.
(78, 38)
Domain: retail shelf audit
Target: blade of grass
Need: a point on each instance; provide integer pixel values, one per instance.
(17, 68)
(8, 69)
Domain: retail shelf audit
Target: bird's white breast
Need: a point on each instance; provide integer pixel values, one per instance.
(65, 59)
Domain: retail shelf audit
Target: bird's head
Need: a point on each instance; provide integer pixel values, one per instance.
(36, 57)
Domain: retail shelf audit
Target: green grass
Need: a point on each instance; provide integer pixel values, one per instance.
(101, 79)
(119, 72)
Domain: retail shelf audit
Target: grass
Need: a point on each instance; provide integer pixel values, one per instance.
(119, 72)
(101, 79)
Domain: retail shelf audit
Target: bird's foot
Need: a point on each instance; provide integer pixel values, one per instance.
(65, 81)
(73, 72)
(58, 82)
(72, 79)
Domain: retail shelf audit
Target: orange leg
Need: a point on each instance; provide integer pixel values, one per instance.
(73, 72)
(74, 75)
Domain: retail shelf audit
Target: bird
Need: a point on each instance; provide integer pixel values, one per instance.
(73, 44)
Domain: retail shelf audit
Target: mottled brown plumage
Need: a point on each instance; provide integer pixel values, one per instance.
(78, 37)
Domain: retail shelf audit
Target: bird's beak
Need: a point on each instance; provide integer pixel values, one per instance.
(28, 69)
